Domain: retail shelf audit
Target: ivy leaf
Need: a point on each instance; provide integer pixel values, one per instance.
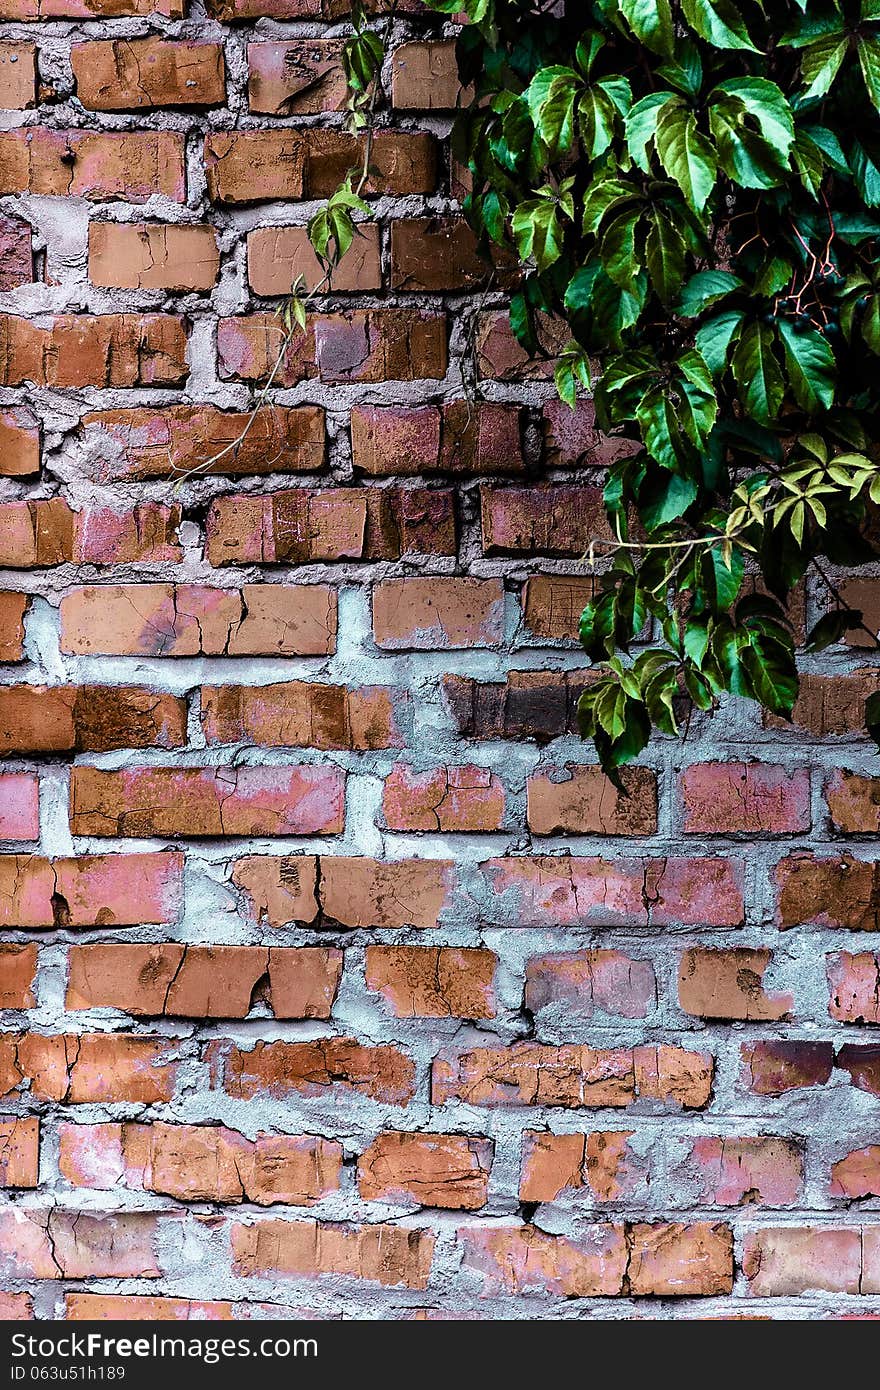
(667, 500)
(618, 248)
(752, 158)
(651, 22)
(658, 422)
(718, 22)
(706, 288)
(537, 229)
(831, 628)
(772, 673)
(810, 365)
(758, 373)
(869, 59)
(715, 338)
(641, 125)
(820, 63)
(551, 97)
(698, 404)
(725, 575)
(664, 256)
(686, 155)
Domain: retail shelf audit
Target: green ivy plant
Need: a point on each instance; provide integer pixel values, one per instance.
(693, 188)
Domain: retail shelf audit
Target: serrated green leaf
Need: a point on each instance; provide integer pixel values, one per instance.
(810, 366)
(686, 155)
(719, 22)
(758, 373)
(664, 256)
(716, 337)
(651, 22)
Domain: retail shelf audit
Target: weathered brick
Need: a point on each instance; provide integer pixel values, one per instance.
(442, 613)
(543, 520)
(350, 892)
(88, 9)
(568, 891)
(857, 1175)
(302, 78)
(433, 1170)
(602, 1162)
(18, 968)
(424, 76)
(96, 1307)
(862, 1063)
(535, 705)
(853, 803)
(152, 256)
(854, 987)
(180, 441)
(97, 165)
(582, 801)
(573, 1076)
(88, 1068)
(553, 604)
(16, 246)
(177, 620)
(19, 1152)
(727, 984)
(55, 1244)
(301, 714)
(433, 981)
(18, 75)
(262, 165)
(107, 890)
(579, 982)
(572, 438)
(819, 891)
(201, 1163)
(731, 1171)
(326, 1066)
(447, 799)
(19, 806)
(745, 798)
(770, 1068)
(355, 345)
(19, 443)
(386, 1255)
(435, 254)
(785, 1260)
(127, 74)
(830, 706)
(453, 438)
(109, 350)
(204, 802)
(13, 608)
(304, 526)
(72, 719)
(279, 257)
(501, 356)
(204, 981)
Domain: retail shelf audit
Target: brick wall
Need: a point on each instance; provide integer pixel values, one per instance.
(336, 978)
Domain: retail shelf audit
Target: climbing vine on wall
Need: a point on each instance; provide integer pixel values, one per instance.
(693, 188)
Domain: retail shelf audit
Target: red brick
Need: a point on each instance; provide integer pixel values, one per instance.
(825, 892)
(572, 438)
(19, 444)
(18, 968)
(553, 604)
(356, 345)
(745, 798)
(573, 1076)
(853, 803)
(388, 1255)
(435, 254)
(19, 1152)
(772, 1068)
(125, 74)
(153, 256)
(728, 984)
(535, 705)
(830, 706)
(15, 1307)
(91, 1307)
(789, 1260)
(16, 250)
(204, 981)
(352, 892)
(602, 1162)
(178, 620)
(438, 614)
(19, 806)
(433, 981)
(97, 165)
(108, 350)
(57, 1244)
(424, 76)
(579, 982)
(264, 165)
(279, 257)
(854, 987)
(328, 1066)
(733, 1171)
(564, 891)
(200, 1163)
(88, 9)
(302, 78)
(501, 356)
(200, 802)
(18, 76)
(671, 1261)
(863, 1065)
(303, 714)
(457, 437)
(109, 890)
(582, 801)
(13, 608)
(433, 1170)
(304, 526)
(47, 532)
(88, 1068)
(71, 719)
(864, 595)
(447, 799)
(544, 520)
(178, 441)
(857, 1175)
